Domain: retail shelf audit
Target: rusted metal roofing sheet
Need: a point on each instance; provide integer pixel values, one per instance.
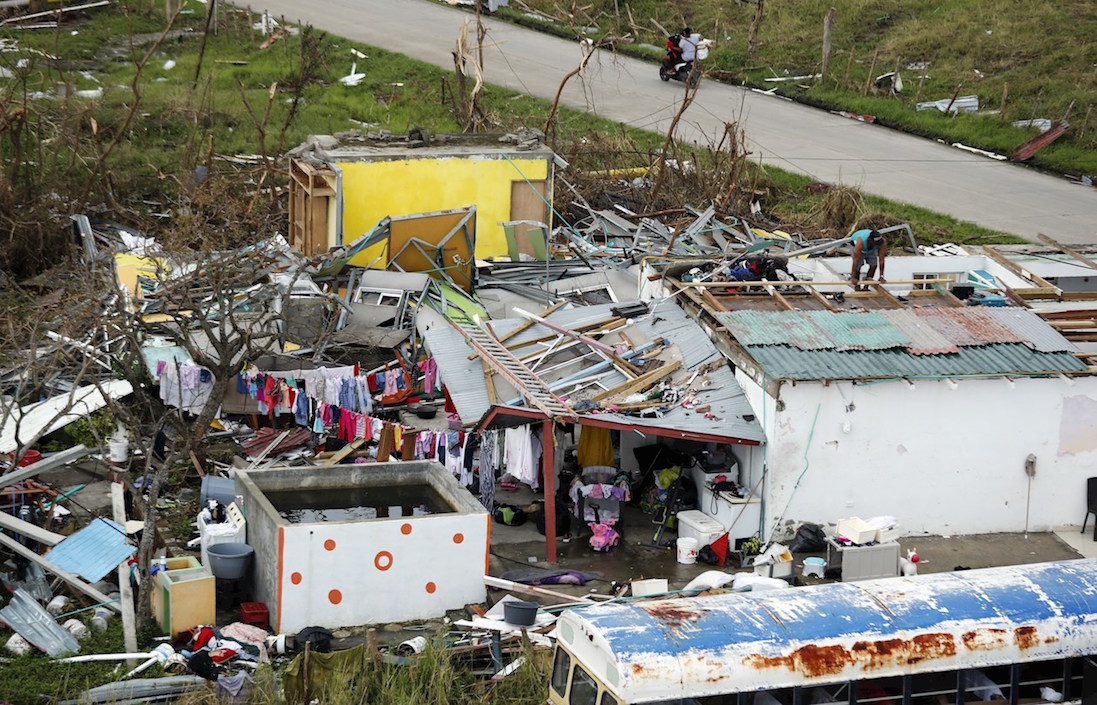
(787, 362)
(32, 622)
(696, 647)
(775, 328)
(94, 551)
(858, 331)
(1034, 330)
(974, 325)
(924, 338)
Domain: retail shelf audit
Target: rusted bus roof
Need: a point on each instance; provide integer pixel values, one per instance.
(787, 362)
(969, 326)
(703, 646)
(924, 338)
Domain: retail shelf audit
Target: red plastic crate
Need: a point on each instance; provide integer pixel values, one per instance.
(254, 613)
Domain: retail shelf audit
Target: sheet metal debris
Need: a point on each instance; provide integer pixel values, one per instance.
(32, 622)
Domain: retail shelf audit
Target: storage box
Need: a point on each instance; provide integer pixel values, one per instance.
(255, 614)
(183, 598)
(857, 530)
(697, 525)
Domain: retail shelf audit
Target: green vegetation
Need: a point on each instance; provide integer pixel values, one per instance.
(24, 679)
(1029, 60)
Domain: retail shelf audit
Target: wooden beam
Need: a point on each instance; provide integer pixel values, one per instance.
(820, 298)
(489, 379)
(1020, 271)
(762, 283)
(129, 619)
(886, 294)
(197, 465)
(54, 461)
(772, 291)
(530, 323)
(343, 452)
(1072, 252)
(948, 296)
(712, 300)
(640, 382)
(18, 526)
(63, 574)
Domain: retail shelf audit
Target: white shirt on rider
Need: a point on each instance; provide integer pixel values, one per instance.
(688, 46)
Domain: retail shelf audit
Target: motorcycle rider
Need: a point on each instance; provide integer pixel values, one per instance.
(688, 42)
(674, 50)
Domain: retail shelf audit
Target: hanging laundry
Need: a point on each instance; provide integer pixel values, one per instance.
(595, 447)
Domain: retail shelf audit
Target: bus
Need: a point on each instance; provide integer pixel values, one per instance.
(1022, 634)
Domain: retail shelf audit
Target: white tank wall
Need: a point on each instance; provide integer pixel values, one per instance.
(942, 457)
(343, 574)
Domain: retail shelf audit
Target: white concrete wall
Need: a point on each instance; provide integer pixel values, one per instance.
(942, 457)
(385, 570)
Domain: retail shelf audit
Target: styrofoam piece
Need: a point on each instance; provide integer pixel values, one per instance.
(651, 586)
(857, 530)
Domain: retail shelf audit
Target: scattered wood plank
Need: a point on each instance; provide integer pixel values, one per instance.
(197, 465)
(55, 13)
(63, 574)
(129, 619)
(641, 382)
(54, 461)
(1072, 252)
(343, 452)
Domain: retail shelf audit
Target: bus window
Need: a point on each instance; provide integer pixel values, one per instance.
(560, 667)
(584, 690)
(608, 699)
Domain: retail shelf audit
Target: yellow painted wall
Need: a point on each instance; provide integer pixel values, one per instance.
(373, 190)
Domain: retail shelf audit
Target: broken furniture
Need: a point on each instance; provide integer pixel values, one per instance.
(880, 560)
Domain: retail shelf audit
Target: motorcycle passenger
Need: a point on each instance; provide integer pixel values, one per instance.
(674, 51)
(688, 43)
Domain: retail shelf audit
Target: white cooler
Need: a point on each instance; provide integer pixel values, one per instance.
(695, 524)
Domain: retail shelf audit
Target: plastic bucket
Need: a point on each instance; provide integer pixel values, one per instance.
(31, 457)
(687, 550)
(520, 612)
(229, 561)
(223, 489)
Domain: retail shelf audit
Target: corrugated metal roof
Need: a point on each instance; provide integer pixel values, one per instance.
(31, 621)
(775, 328)
(1033, 329)
(697, 647)
(973, 325)
(465, 381)
(858, 331)
(93, 551)
(787, 362)
(924, 339)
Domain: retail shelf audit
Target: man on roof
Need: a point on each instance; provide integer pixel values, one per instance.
(869, 247)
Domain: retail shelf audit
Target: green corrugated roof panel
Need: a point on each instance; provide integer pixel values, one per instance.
(859, 331)
(775, 328)
(814, 330)
(788, 362)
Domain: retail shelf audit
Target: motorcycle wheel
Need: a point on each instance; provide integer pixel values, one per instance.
(663, 75)
(693, 79)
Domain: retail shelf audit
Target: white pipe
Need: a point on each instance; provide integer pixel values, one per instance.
(103, 657)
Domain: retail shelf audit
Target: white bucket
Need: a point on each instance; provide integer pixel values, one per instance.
(687, 550)
(18, 645)
(119, 450)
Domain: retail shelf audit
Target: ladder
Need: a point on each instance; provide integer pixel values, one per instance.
(532, 388)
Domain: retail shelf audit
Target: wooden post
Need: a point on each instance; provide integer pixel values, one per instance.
(921, 81)
(1085, 121)
(828, 22)
(1036, 107)
(1002, 105)
(895, 76)
(129, 619)
(170, 8)
(548, 463)
(955, 94)
(752, 40)
(871, 70)
(849, 65)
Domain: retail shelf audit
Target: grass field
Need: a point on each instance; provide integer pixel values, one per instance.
(1023, 60)
(130, 152)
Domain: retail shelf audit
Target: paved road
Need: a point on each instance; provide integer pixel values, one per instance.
(829, 148)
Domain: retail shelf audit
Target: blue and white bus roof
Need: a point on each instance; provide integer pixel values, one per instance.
(701, 646)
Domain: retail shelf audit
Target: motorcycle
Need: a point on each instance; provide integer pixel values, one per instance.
(674, 66)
